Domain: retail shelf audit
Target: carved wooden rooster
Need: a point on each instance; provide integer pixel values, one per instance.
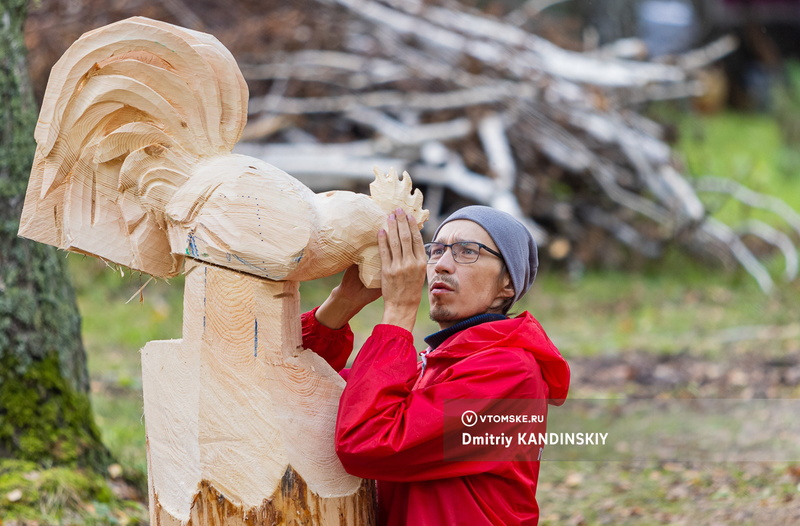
(134, 165)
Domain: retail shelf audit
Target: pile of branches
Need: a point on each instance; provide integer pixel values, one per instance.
(480, 109)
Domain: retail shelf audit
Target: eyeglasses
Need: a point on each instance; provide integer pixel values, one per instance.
(463, 251)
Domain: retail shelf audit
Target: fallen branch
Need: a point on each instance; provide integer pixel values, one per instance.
(750, 197)
(774, 237)
(393, 99)
(717, 231)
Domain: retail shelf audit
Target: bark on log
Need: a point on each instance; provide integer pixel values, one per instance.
(45, 411)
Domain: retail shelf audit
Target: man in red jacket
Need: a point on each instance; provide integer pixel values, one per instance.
(391, 417)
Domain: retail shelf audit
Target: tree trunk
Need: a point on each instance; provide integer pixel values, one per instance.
(45, 414)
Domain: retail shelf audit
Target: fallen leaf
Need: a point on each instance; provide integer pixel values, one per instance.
(115, 471)
(577, 520)
(33, 476)
(14, 495)
(678, 493)
(573, 479)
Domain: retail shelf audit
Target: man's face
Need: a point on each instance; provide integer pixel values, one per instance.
(457, 291)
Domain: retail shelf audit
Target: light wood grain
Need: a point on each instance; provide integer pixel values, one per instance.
(237, 402)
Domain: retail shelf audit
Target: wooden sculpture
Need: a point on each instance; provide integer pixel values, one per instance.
(134, 165)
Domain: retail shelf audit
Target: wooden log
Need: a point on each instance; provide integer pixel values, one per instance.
(489, 40)
(240, 417)
(774, 237)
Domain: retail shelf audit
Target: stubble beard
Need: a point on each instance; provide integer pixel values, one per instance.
(440, 313)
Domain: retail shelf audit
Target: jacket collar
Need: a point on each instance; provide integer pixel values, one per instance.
(437, 338)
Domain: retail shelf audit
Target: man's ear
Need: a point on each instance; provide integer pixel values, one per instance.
(507, 290)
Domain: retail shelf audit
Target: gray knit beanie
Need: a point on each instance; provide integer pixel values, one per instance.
(514, 241)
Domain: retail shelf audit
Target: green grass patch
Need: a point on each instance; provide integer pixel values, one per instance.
(119, 413)
(31, 494)
(118, 321)
(674, 306)
(755, 150)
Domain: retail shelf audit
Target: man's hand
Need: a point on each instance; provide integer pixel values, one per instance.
(346, 300)
(403, 264)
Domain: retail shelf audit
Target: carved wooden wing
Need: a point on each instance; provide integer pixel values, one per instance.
(130, 110)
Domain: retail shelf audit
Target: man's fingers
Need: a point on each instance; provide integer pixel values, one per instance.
(402, 239)
(404, 233)
(394, 237)
(416, 239)
(383, 248)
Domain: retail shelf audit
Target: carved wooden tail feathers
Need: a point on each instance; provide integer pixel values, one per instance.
(133, 165)
(129, 111)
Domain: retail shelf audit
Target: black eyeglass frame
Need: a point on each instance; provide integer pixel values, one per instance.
(450, 246)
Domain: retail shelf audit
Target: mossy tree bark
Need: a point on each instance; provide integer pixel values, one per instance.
(45, 415)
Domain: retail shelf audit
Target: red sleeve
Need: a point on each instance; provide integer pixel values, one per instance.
(387, 431)
(334, 345)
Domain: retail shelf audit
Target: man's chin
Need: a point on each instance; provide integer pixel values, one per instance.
(442, 315)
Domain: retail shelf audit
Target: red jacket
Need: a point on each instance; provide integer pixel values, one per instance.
(390, 421)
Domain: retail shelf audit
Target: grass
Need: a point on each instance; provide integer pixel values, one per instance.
(666, 309)
(33, 494)
(748, 149)
(666, 493)
(758, 150)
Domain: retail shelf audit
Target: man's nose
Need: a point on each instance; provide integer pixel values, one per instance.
(446, 263)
